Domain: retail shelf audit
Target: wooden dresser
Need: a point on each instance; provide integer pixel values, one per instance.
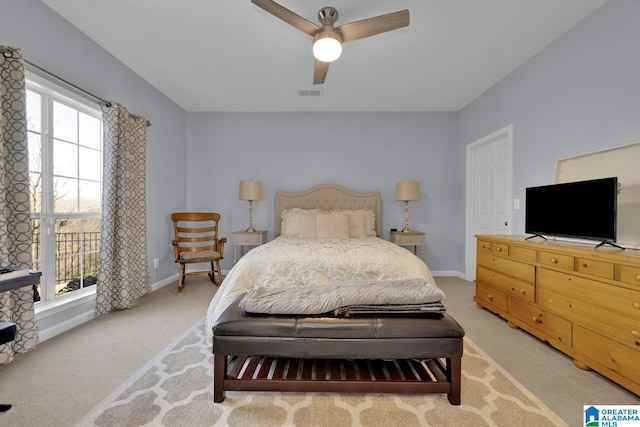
(581, 300)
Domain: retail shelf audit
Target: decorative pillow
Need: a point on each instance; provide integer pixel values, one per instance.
(299, 222)
(332, 225)
(361, 222)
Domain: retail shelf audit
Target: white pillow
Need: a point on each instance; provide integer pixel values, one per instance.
(299, 222)
(361, 222)
(332, 225)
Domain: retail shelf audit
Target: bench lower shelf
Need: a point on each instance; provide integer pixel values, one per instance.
(260, 373)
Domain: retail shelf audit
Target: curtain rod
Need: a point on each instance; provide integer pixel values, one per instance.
(66, 82)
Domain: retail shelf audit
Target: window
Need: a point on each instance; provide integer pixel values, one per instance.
(65, 171)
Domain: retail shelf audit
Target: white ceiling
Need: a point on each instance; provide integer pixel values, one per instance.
(230, 55)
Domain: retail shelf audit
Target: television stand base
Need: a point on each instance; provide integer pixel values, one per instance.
(607, 242)
(536, 235)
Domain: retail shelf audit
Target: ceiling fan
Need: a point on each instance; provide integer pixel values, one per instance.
(327, 40)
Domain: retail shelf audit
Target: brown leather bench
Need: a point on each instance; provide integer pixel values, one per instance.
(382, 354)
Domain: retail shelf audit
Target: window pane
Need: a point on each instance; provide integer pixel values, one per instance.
(65, 159)
(34, 111)
(65, 195)
(90, 131)
(89, 196)
(36, 252)
(35, 152)
(35, 169)
(91, 247)
(65, 167)
(89, 164)
(77, 246)
(35, 191)
(65, 122)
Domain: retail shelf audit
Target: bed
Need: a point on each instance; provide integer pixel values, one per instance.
(328, 238)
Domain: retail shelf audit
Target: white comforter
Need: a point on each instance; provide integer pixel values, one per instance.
(294, 261)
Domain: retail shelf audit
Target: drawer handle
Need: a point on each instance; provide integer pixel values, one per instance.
(554, 261)
(585, 265)
(499, 249)
(490, 297)
(636, 305)
(638, 277)
(635, 334)
(523, 292)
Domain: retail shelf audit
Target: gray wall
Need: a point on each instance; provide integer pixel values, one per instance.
(580, 94)
(52, 43)
(362, 151)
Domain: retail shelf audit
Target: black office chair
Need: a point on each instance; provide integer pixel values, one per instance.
(7, 334)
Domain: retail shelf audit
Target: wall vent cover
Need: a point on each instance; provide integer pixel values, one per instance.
(309, 92)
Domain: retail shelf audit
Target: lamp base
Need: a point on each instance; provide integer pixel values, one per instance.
(406, 229)
(250, 229)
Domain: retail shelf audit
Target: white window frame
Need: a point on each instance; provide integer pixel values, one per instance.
(50, 91)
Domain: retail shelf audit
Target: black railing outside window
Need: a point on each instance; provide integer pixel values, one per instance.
(76, 259)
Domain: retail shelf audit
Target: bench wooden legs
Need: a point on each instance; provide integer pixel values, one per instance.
(256, 373)
(219, 375)
(454, 375)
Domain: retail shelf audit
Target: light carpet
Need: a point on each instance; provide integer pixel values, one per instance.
(175, 389)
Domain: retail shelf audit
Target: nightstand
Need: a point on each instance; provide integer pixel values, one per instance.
(247, 238)
(409, 238)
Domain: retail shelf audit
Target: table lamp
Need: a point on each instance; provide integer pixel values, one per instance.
(406, 191)
(250, 190)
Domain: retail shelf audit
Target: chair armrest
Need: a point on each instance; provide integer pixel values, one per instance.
(176, 251)
(220, 246)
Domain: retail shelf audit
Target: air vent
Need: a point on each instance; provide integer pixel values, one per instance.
(309, 92)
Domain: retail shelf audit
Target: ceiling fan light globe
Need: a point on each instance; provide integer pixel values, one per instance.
(327, 48)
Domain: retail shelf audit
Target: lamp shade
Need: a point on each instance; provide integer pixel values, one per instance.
(327, 46)
(250, 190)
(408, 190)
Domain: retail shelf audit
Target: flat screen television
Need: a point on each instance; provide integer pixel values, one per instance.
(583, 210)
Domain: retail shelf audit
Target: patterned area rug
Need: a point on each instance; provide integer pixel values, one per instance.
(175, 389)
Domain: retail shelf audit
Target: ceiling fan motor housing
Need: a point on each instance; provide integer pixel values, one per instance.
(327, 16)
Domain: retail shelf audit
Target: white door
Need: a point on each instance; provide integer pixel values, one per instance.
(489, 190)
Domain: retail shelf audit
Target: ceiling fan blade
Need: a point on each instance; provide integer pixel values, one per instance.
(372, 26)
(288, 16)
(320, 72)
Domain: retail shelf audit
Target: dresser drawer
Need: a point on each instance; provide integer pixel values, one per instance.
(599, 295)
(596, 268)
(564, 262)
(621, 328)
(608, 353)
(630, 274)
(553, 326)
(407, 239)
(484, 246)
(249, 239)
(509, 267)
(522, 254)
(492, 296)
(506, 284)
(496, 248)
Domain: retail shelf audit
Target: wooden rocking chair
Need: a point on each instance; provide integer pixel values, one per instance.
(196, 241)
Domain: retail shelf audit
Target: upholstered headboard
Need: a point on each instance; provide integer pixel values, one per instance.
(329, 196)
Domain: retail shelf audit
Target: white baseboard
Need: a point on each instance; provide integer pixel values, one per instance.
(59, 328)
(457, 274)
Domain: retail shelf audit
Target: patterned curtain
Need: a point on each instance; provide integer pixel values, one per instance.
(15, 220)
(123, 270)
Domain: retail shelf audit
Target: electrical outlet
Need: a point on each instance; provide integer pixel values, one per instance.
(156, 263)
